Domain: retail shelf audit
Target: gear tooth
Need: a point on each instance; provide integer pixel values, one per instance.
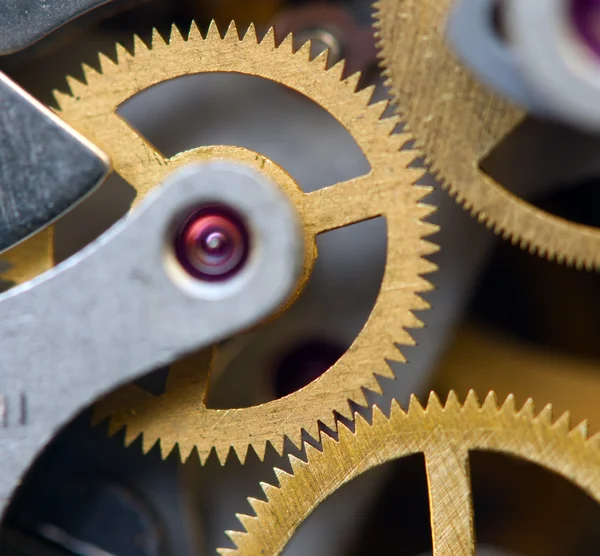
(77, 87)
(305, 50)
(472, 402)
(490, 404)
(61, 99)
(287, 44)
(271, 490)
(378, 420)
(414, 406)
(213, 33)
(581, 431)
(396, 409)
(278, 445)
(563, 423)
(412, 321)
(352, 81)
(528, 409)
(322, 59)
(269, 38)
(509, 405)
(360, 421)
(166, 447)
(175, 36)
(131, 435)
(90, 74)
(232, 34)
(387, 127)
(383, 369)
(379, 109)
(452, 402)
(106, 63)
(594, 441)
(223, 454)
(282, 477)
(194, 31)
(433, 403)
(251, 34)
(546, 415)
(148, 441)
(257, 504)
(115, 426)
(247, 522)
(296, 463)
(240, 452)
(186, 448)
(157, 40)
(338, 69)
(139, 46)
(122, 54)
(229, 551)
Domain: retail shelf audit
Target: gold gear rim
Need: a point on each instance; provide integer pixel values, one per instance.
(457, 122)
(445, 435)
(179, 417)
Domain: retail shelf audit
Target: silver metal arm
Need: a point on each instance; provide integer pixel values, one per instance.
(123, 306)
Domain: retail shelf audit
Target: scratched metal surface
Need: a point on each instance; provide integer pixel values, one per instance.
(45, 168)
(26, 21)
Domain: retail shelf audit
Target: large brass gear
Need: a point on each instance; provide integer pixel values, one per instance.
(457, 122)
(445, 435)
(179, 417)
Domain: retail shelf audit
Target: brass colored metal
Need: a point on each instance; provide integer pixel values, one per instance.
(484, 360)
(180, 416)
(445, 435)
(29, 258)
(457, 122)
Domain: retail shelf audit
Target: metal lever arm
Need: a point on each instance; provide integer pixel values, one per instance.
(123, 306)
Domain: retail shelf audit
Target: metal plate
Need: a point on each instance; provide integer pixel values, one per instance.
(45, 167)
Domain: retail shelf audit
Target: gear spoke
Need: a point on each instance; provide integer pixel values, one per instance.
(450, 500)
(192, 375)
(186, 390)
(346, 203)
(458, 122)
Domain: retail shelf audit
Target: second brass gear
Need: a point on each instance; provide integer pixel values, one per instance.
(445, 435)
(180, 417)
(457, 122)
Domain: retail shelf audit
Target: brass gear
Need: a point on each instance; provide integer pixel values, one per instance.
(445, 435)
(179, 417)
(457, 122)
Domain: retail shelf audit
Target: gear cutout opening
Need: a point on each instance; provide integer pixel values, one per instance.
(329, 314)
(549, 164)
(369, 515)
(250, 112)
(526, 509)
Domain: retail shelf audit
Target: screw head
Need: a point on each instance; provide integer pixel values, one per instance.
(212, 244)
